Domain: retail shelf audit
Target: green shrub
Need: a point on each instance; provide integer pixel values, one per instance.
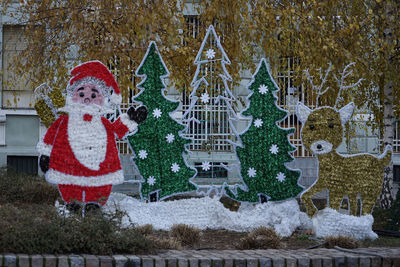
(394, 214)
(261, 238)
(381, 217)
(185, 234)
(23, 188)
(37, 229)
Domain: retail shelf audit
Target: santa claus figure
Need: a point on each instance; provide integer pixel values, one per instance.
(78, 151)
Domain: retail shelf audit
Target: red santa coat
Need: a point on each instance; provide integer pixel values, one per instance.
(65, 168)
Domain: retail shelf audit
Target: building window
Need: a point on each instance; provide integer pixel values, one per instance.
(215, 171)
(23, 164)
(17, 91)
(396, 173)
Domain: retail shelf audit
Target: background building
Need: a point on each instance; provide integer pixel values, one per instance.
(20, 128)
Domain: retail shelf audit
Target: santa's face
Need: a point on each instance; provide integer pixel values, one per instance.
(88, 94)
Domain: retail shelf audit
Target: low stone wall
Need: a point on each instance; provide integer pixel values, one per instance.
(217, 258)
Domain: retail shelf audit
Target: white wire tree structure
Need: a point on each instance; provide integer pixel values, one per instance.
(210, 102)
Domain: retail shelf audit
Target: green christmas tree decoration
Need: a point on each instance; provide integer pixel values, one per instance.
(265, 146)
(158, 144)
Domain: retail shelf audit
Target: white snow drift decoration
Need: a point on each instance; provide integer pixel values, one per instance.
(329, 222)
(208, 212)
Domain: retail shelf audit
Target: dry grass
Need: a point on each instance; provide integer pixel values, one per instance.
(146, 229)
(261, 238)
(165, 242)
(185, 234)
(341, 241)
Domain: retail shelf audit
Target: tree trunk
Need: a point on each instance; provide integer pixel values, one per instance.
(386, 197)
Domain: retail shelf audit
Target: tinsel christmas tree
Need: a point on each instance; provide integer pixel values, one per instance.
(158, 145)
(265, 146)
(211, 101)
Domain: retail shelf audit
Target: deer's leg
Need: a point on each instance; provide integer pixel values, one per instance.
(368, 202)
(306, 199)
(353, 204)
(335, 200)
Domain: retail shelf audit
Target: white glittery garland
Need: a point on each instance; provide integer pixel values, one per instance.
(132, 125)
(87, 140)
(329, 222)
(44, 149)
(56, 177)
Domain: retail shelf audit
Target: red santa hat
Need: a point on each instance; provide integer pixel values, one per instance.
(96, 73)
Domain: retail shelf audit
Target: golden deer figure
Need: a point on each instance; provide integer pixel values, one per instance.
(350, 175)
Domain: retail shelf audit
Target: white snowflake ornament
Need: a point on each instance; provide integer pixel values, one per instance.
(263, 89)
(205, 98)
(210, 53)
(175, 167)
(170, 138)
(258, 123)
(142, 154)
(274, 149)
(280, 177)
(205, 166)
(151, 180)
(251, 172)
(157, 113)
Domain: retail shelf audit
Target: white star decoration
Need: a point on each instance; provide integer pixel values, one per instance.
(251, 172)
(175, 167)
(258, 123)
(170, 138)
(151, 180)
(274, 149)
(210, 53)
(205, 98)
(142, 154)
(205, 165)
(157, 113)
(263, 89)
(280, 177)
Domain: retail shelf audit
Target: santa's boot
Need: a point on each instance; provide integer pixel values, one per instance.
(92, 209)
(74, 207)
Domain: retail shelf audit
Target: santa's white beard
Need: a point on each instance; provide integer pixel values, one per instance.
(78, 108)
(88, 139)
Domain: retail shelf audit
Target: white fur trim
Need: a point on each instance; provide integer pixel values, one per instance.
(44, 149)
(88, 140)
(116, 99)
(56, 177)
(132, 125)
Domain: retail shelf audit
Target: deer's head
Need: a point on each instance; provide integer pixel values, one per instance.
(322, 129)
